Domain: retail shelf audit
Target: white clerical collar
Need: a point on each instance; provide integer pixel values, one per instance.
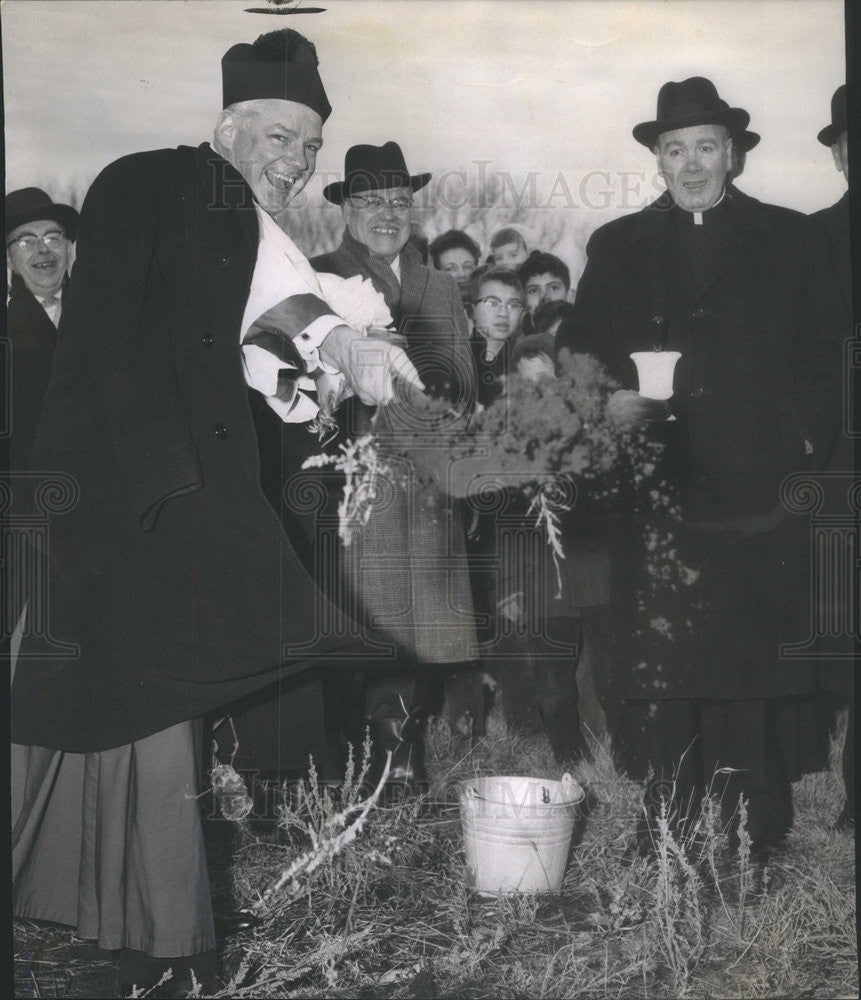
(698, 216)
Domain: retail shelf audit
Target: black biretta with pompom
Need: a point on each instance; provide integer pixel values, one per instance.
(281, 65)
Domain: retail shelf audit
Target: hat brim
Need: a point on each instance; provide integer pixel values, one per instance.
(335, 192)
(65, 215)
(830, 134)
(746, 141)
(735, 119)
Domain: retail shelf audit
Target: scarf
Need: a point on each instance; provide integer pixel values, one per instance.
(378, 269)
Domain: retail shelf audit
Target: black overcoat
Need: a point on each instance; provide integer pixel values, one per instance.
(759, 375)
(835, 221)
(838, 674)
(26, 364)
(171, 586)
(32, 338)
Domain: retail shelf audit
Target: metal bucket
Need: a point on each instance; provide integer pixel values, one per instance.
(517, 832)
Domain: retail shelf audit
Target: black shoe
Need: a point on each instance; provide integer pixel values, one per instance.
(233, 922)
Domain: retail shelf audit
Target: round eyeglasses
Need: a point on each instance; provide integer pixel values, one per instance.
(511, 305)
(373, 202)
(29, 241)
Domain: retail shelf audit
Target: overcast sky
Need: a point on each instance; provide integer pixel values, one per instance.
(550, 87)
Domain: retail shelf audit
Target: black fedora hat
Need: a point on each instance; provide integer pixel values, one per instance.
(831, 133)
(373, 168)
(692, 102)
(32, 205)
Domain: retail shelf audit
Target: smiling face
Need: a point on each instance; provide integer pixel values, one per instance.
(499, 318)
(694, 162)
(383, 230)
(274, 145)
(544, 288)
(44, 267)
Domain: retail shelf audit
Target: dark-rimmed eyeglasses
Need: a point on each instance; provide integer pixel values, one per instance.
(373, 202)
(29, 241)
(511, 305)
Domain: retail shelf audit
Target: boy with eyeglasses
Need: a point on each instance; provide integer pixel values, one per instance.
(497, 311)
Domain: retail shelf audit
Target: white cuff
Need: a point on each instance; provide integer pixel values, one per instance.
(307, 342)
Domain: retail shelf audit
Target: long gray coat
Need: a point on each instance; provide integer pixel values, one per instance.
(407, 567)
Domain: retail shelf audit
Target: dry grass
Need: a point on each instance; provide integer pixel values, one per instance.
(391, 916)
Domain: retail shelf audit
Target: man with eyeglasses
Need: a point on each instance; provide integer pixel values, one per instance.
(39, 235)
(423, 592)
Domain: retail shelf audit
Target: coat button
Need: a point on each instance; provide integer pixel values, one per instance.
(224, 261)
(206, 340)
(699, 312)
(220, 432)
(698, 393)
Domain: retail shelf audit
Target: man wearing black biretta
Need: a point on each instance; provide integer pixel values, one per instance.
(173, 587)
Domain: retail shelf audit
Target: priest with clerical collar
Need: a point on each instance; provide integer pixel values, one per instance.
(743, 291)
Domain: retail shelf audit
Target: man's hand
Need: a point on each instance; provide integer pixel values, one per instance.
(370, 364)
(628, 407)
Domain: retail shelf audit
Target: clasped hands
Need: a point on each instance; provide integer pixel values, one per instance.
(369, 364)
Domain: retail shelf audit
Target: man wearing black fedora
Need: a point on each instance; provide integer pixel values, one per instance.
(411, 558)
(173, 587)
(838, 679)
(742, 290)
(39, 238)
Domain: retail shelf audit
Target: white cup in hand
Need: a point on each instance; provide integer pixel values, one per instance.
(655, 370)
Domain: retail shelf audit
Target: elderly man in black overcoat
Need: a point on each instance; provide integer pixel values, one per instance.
(838, 676)
(173, 588)
(743, 291)
(39, 238)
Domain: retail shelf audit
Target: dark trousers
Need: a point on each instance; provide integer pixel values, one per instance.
(724, 748)
(538, 686)
(453, 691)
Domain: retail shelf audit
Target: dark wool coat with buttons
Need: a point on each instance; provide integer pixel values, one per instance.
(171, 586)
(759, 374)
